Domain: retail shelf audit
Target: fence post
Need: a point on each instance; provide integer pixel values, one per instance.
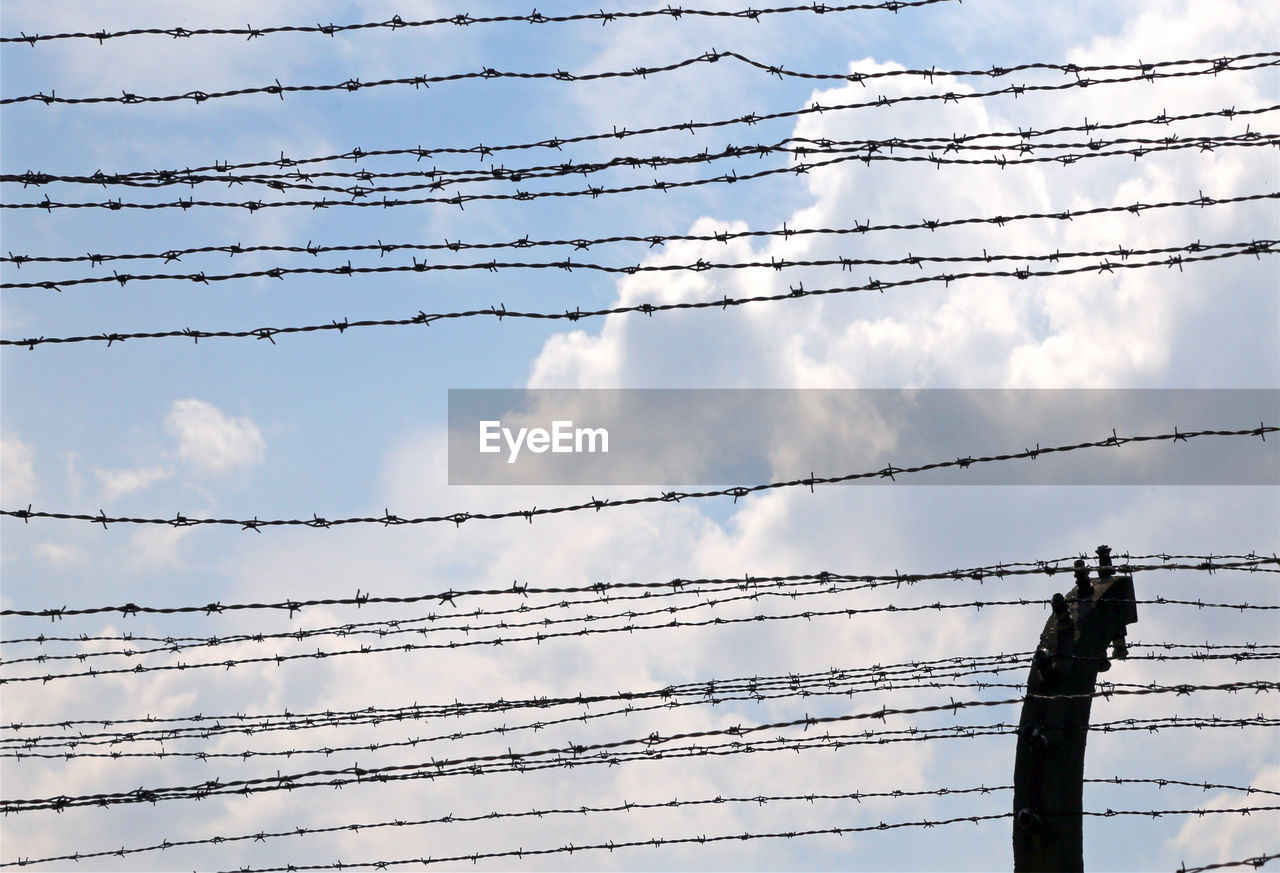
(1048, 775)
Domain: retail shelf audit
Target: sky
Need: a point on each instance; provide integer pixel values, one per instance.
(354, 423)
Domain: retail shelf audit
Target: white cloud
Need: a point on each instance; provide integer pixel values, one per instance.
(211, 441)
(154, 548)
(17, 470)
(118, 483)
(61, 556)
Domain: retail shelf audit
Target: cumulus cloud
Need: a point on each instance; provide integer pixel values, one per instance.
(118, 483)
(212, 441)
(61, 556)
(17, 469)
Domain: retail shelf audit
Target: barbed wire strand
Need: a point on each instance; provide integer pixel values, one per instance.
(35, 750)
(1251, 140)
(396, 22)
(845, 152)
(399, 627)
(355, 155)
(1049, 567)
(1158, 69)
(500, 312)
(652, 240)
(577, 752)
(624, 806)
(888, 472)
(1256, 862)
(700, 266)
(203, 727)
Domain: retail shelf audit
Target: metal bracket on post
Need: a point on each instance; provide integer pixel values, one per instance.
(1048, 775)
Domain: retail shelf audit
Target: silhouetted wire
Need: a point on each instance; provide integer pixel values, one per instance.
(223, 170)
(867, 151)
(625, 806)
(1256, 248)
(1256, 862)
(703, 839)
(410, 625)
(599, 752)
(204, 726)
(1048, 567)
(651, 240)
(596, 504)
(700, 266)
(360, 193)
(1213, 66)
(396, 22)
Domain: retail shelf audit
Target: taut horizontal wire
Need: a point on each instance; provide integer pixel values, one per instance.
(584, 752)
(591, 628)
(625, 806)
(867, 151)
(457, 518)
(360, 193)
(396, 22)
(703, 839)
(1256, 248)
(753, 591)
(652, 240)
(223, 168)
(1145, 70)
(1049, 567)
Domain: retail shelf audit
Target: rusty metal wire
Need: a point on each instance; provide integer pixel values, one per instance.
(652, 240)
(625, 807)
(360, 194)
(633, 748)
(1128, 564)
(596, 504)
(1121, 252)
(1150, 71)
(1255, 248)
(396, 22)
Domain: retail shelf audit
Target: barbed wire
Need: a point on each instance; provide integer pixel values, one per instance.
(38, 748)
(1145, 70)
(223, 168)
(888, 472)
(401, 626)
(703, 839)
(614, 752)
(794, 146)
(1250, 140)
(652, 240)
(624, 806)
(1256, 248)
(700, 266)
(1129, 564)
(203, 727)
(592, 630)
(1255, 862)
(396, 22)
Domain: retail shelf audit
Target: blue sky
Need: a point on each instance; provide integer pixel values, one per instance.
(354, 424)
